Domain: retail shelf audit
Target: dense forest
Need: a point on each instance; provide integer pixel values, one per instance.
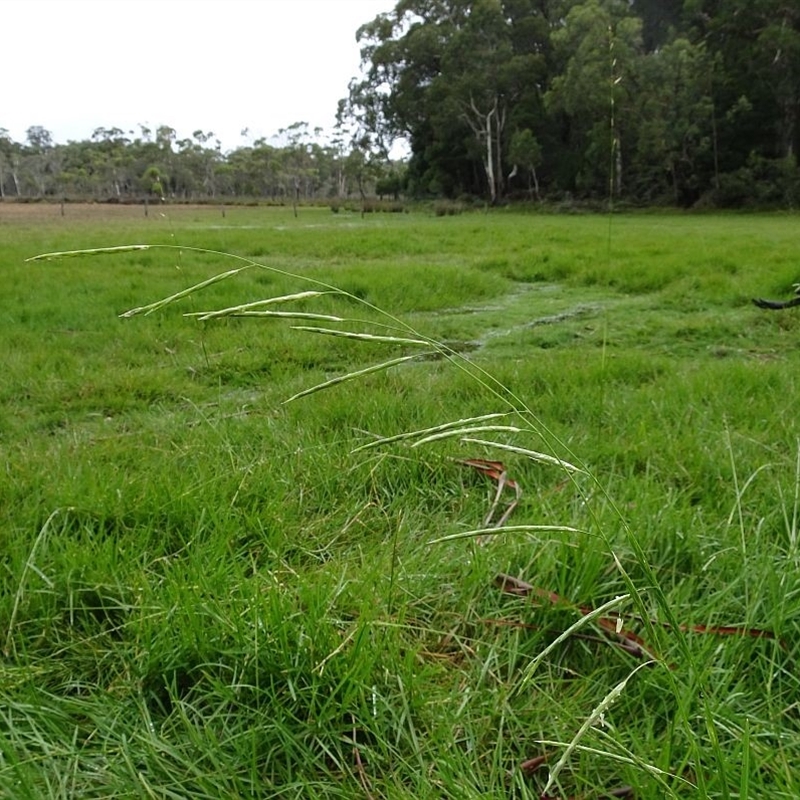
(674, 102)
(654, 101)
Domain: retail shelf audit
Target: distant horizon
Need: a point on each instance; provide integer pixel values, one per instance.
(247, 138)
(399, 151)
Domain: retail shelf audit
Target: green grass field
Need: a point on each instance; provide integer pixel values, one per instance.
(209, 592)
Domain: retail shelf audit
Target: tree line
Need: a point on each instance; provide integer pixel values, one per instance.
(677, 102)
(654, 101)
(119, 166)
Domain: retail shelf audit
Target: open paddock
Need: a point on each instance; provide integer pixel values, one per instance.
(209, 591)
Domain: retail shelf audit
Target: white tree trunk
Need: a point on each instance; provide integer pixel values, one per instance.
(481, 124)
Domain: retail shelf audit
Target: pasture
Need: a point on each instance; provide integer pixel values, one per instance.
(210, 592)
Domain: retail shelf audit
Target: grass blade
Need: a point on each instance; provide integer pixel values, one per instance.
(94, 251)
(532, 454)
(425, 431)
(596, 714)
(577, 625)
(366, 337)
(460, 431)
(350, 376)
(286, 298)
(148, 309)
(265, 314)
(494, 531)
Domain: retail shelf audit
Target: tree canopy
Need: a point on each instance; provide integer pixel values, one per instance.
(670, 101)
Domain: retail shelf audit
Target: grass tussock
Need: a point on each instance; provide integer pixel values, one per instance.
(209, 591)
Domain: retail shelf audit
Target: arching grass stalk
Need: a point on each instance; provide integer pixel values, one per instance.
(592, 719)
(401, 332)
(391, 330)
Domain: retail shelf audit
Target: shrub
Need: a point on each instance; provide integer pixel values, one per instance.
(761, 183)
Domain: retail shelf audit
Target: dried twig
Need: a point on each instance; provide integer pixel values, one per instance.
(362, 773)
(612, 626)
(531, 765)
(612, 623)
(496, 471)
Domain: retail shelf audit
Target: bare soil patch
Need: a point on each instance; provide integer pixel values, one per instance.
(13, 212)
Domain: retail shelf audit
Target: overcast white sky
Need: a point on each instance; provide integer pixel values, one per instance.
(218, 65)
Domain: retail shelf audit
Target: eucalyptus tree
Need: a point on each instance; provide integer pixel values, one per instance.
(113, 161)
(337, 152)
(759, 45)
(298, 168)
(484, 76)
(252, 171)
(525, 153)
(400, 94)
(207, 159)
(661, 19)
(9, 163)
(195, 165)
(39, 160)
(599, 50)
(779, 45)
(676, 152)
(448, 76)
(80, 168)
(359, 146)
(165, 138)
